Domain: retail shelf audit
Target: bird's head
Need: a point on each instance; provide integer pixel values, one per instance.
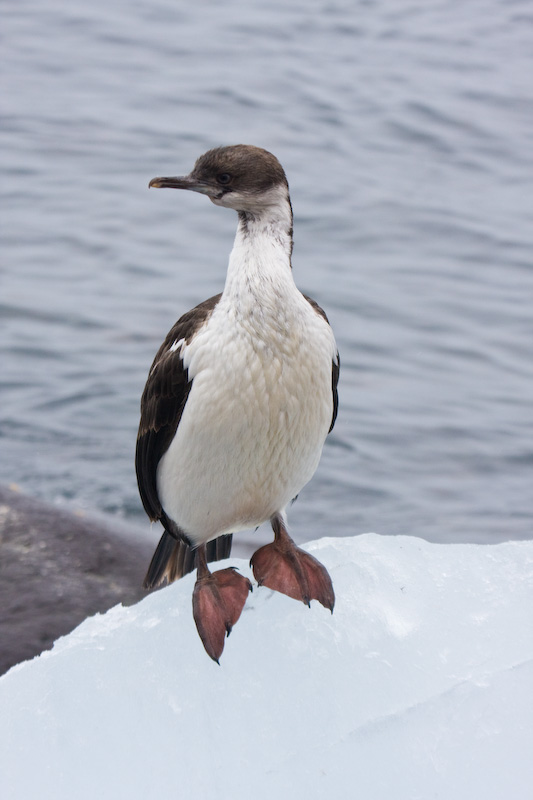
(241, 176)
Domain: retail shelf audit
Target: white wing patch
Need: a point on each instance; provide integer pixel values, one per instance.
(176, 345)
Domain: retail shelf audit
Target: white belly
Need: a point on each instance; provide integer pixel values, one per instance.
(255, 421)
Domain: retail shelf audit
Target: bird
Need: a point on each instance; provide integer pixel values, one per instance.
(237, 405)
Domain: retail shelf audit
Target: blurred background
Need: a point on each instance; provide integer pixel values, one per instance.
(406, 131)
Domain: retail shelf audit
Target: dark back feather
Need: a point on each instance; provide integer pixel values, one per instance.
(335, 365)
(162, 404)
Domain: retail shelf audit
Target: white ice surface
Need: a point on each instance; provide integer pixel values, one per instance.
(419, 686)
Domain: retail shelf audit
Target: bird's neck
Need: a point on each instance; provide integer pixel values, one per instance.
(260, 262)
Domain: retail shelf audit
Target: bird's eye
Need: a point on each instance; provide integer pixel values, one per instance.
(224, 178)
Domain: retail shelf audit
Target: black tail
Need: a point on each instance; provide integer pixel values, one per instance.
(174, 558)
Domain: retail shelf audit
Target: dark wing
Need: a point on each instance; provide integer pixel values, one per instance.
(162, 404)
(335, 364)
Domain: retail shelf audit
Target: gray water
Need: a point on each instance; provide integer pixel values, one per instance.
(406, 131)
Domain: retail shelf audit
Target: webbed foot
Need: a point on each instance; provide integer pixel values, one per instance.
(288, 569)
(217, 602)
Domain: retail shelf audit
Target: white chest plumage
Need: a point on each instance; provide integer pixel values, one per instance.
(260, 405)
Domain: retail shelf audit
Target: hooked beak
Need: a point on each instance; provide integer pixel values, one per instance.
(186, 182)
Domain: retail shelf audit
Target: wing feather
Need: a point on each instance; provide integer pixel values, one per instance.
(162, 404)
(335, 364)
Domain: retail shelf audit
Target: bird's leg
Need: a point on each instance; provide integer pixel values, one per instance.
(288, 569)
(217, 602)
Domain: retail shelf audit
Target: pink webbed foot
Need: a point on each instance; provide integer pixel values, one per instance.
(286, 568)
(217, 603)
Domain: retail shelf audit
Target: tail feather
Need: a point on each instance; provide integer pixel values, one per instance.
(174, 558)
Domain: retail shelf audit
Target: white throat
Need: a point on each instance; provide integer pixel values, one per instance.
(260, 261)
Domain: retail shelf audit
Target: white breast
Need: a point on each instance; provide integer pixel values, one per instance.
(256, 418)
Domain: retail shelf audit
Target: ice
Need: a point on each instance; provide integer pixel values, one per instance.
(420, 685)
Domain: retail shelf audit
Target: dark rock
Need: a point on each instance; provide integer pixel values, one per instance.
(56, 569)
